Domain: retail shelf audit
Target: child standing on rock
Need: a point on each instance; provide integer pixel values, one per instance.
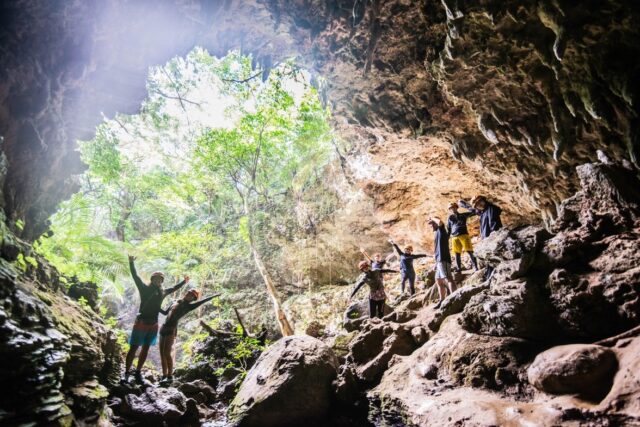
(169, 330)
(407, 272)
(443, 259)
(145, 328)
(377, 295)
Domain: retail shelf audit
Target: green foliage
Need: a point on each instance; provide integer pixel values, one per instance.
(216, 159)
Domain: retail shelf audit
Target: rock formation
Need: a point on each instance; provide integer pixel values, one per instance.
(58, 355)
(509, 348)
(438, 100)
(290, 384)
(520, 92)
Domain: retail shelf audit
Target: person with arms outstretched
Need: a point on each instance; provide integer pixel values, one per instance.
(145, 329)
(489, 219)
(169, 329)
(407, 272)
(460, 240)
(377, 262)
(373, 279)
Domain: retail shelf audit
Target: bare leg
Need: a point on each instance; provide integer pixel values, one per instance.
(142, 357)
(131, 354)
(163, 355)
(170, 354)
(452, 285)
(442, 289)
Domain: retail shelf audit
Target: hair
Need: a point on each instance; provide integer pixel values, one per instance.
(408, 248)
(377, 254)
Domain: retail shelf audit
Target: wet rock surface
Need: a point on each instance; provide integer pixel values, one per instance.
(60, 355)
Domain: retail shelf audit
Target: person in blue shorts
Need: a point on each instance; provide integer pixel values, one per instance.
(145, 329)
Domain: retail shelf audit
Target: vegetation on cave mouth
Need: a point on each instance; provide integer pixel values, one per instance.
(221, 176)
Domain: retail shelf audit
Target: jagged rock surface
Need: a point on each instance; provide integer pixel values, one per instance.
(477, 359)
(521, 92)
(58, 354)
(290, 384)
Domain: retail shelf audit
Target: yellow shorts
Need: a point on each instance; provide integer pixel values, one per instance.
(461, 243)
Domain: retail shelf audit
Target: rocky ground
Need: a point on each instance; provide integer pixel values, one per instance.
(551, 339)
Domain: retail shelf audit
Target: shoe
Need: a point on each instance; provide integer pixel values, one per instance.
(137, 376)
(438, 304)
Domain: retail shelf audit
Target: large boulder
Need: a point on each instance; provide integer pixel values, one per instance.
(583, 369)
(517, 308)
(473, 360)
(289, 385)
(357, 312)
(160, 406)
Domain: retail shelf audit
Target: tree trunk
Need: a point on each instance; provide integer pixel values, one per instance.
(283, 322)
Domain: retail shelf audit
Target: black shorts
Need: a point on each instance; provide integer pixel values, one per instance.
(168, 331)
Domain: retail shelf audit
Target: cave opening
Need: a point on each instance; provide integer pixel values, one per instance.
(441, 231)
(224, 175)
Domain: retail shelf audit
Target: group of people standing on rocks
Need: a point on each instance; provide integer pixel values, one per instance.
(145, 329)
(455, 231)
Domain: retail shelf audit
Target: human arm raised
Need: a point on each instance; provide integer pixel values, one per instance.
(194, 305)
(396, 247)
(134, 274)
(468, 207)
(365, 254)
(172, 289)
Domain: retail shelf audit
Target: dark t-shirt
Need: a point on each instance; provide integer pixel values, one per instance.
(441, 245)
(489, 218)
(406, 260)
(179, 309)
(373, 279)
(457, 224)
(151, 297)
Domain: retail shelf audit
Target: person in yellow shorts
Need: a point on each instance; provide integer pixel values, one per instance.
(460, 240)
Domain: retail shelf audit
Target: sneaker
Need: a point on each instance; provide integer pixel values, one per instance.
(169, 379)
(137, 376)
(438, 304)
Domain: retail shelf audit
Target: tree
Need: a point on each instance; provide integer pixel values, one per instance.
(263, 159)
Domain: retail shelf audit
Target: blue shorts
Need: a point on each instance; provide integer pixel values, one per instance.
(144, 333)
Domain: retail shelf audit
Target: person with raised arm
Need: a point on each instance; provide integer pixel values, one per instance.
(373, 279)
(377, 262)
(169, 329)
(145, 329)
(443, 259)
(460, 240)
(407, 272)
(489, 219)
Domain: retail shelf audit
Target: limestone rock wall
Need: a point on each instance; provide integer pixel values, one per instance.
(502, 97)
